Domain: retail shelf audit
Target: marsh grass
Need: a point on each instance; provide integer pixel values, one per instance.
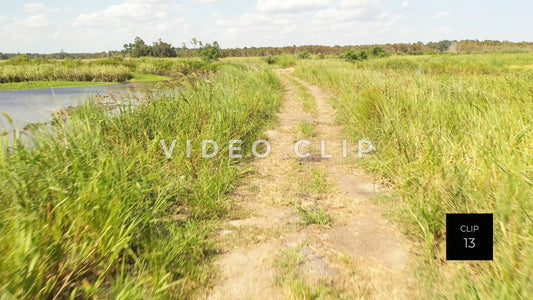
(114, 69)
(96, 210)
(454, 135)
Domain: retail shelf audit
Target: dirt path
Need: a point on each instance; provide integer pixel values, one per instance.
(305, 228)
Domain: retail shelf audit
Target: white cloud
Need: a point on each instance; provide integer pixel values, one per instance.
(34, 7)
(36, 21)
(405, 4)
(359, 3)
(120, 23)
(126, 12)
(290, 5)
(285, 24)
(334, 15)
(442, 14)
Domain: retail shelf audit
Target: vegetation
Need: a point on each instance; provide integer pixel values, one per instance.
(350, 55)
(164, 49)
(453, 135)
(26, 85)
(286, 61)
(314, 215)
(36, 72)
(96, 210)
(288, 265)
(304, 55)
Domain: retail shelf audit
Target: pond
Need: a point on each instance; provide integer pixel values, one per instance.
(37, 105)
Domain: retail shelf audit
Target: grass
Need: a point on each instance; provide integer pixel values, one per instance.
(454, 135)
(139, 77)
(96, 210)
(22, 72)
(26, 85)
(315, 182)
(314, 215)
(287, 264)
(307, 129)
(306, 99)
(286, 61)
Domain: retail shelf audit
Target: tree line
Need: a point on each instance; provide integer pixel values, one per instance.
(197, 48)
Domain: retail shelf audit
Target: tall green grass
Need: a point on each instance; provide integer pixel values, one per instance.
(96, 209)
(454, 134)
(115, 69)
(50, 72)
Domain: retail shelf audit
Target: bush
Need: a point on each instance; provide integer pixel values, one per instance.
(350, 55)
(417, 52)
(271, 59)
(378, 51)
(304, 55)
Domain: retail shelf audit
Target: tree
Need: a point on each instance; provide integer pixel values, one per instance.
(210, 52)
(138, 48)
(162, 49)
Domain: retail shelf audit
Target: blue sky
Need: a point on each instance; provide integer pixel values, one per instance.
(47, 26)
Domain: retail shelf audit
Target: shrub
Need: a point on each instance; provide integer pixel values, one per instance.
(271, 59)
(378, 51)
(304, 55)
(350, 55)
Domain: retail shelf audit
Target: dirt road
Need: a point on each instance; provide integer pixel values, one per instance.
(306, 228)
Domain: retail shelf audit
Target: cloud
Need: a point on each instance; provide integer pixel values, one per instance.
(442, 14)
(281, 23)
(34, 7)
(124, 13)
(359, 3)
(290, 5)
(120, 23)
(36, 21)
(405, 4)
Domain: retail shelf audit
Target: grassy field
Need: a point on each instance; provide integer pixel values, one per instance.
(24, 73)
(96, 209)
(453, 135)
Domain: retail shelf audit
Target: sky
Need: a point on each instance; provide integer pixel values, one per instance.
(50, 26)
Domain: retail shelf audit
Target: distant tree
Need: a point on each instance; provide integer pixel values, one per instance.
(162, 49)
(363, 55)
(138, 48)
(210, 52)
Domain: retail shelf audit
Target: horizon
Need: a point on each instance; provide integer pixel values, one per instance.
(53, 26)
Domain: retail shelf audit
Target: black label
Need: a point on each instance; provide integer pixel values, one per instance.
(469, 237)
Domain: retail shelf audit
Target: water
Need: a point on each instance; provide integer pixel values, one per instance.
(36, 106)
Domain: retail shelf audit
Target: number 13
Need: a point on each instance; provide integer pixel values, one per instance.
(469, 242)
